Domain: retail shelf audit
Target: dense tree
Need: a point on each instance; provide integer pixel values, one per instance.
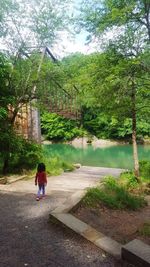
(86, 73)
(99, 16)
(122, 81)
(18, 81)
(131, 21)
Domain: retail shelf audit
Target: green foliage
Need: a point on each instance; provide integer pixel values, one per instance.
(97, 76)
(9, 142)
(96, 195)
(128, 180)
(112, 127)
(114, 196)
(145, 169)
(57, 128)
(100, 16)
(118, 83)
(28, 155)
(23, 155)
(67, 166)
(55, 166)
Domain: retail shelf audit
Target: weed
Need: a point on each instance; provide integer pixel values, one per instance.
(114, 196)
(55, 166)
(129, 180)
(145, 169)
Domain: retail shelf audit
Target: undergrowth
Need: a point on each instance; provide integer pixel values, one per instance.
(55, 166)
(114, 195)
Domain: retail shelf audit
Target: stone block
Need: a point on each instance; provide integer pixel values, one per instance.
(72, 201)
(92, 235)
(137, 253)
(109, 245)
(71, 222)
(77, 165)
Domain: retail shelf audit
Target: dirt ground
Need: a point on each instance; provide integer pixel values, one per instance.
(120, 225)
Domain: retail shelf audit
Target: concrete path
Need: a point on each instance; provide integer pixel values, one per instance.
(26, 237)
(68, 182)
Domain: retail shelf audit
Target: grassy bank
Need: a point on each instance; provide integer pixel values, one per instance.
(122, 193)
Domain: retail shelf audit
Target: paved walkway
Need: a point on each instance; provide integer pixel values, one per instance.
(26, 236)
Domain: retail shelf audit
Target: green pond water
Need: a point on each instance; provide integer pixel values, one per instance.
(119, 156)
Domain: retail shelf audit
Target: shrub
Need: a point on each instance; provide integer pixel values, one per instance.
(67, 166)
(113, 195)
(27, 157)
(19, 153)
(57, 128)
(145, 169)
(128, 180)
(55, 166)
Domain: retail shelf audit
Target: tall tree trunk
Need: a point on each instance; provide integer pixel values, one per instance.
(134, 141)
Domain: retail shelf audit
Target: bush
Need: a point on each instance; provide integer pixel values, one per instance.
(67, 166)
(19, 153)
(55, 166)
(145, 169)
(105, 126)
(26, 157)
(114, 196)
(57, 128)
(30, 155)
(128, 180)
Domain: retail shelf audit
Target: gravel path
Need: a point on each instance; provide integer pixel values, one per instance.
(27, 238)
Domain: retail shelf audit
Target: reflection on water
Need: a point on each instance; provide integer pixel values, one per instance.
(114, 156)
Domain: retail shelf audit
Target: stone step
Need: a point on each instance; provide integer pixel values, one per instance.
(137, 253)
(107, 244)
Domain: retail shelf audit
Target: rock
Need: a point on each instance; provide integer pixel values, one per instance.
(77, 165)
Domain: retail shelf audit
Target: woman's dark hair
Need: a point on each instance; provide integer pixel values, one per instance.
(41, 167)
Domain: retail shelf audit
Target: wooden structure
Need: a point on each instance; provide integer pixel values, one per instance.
(60, 101)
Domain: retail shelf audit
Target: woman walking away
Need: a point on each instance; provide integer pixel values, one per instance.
(41, 180)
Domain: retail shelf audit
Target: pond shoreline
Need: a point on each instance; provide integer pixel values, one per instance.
(101, 154)
(95, 142)
(84, 142)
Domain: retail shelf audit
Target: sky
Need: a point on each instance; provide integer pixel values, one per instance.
(78, 44)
